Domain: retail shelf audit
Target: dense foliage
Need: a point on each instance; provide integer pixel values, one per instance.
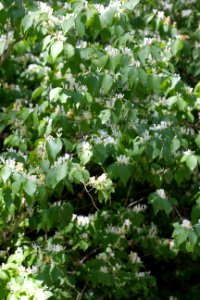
(99, 129)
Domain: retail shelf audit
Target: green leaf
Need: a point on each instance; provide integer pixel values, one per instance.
(107, 18)
(107, 83)
(53, 148)
(5, 173)
(191, 162)
(105, 116)
(80, 26)
(30, 188)
(121, 171)
(175, 145)
(68, 24)
(180, 234)
(192, 238)
(172, 100)
(46, 42)
(176, 46)
(65, 214)
(56, 49)
(26, 23)
(159, 203)
(2, 46)
(68, 50)
(55, 175)
(197, 140)
(37, 92)
(85, 156)
(55, 93)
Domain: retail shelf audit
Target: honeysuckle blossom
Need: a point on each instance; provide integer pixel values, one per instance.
(161, 193)
(45, 8)
(186, 223)
(82, 220)
(188, 152)
(123, 159)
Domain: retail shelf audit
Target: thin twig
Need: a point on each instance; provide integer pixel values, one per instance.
(138, 201)
(129, 192)
(178, 213)
(79, 296)
(88, 255)
(90, 196)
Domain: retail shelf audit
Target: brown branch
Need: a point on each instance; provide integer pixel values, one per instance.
(7, 52)
(80, 295)
(90, 196)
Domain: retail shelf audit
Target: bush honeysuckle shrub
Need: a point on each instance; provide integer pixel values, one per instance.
(99, 129)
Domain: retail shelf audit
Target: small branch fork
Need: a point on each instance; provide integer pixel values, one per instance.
(90, 196)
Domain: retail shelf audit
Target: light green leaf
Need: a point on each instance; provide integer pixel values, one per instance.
(107, 83)
(54, 147)
(26, 23)
(2, 46)
(5, 173)
(68, 24)
(192, 238)
(68, 50)
(105, 116)
(191, 162)
(55, 175)
(197, 140)
(175, 145)
(56, 49)
(107, 18)
(159, 203)
(46, 42)
(55, 93)
(30, 187)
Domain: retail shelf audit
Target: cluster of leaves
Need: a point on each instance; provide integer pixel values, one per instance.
(99, 129)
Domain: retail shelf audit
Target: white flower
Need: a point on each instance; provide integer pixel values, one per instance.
(139, 208)
(45, 8)
(160, 15)
(152, 231)
(198, 101)
(186, 12)
(32, 270)
(110, 103)
(186, 223)
(85, 146)
(82, 220)
(122, 159)
(87, 115)
(188, 152)
(109, 140)
(111, 50)
(147, 41)
(140, 274)
(171, 244)
(81, 44)
(127, 223)
(49, 138)
(114, 229)
(161, 193)
(104, 269)
(40, 295)
(102, 178)
(10, 163)
(127, 51)
(135, 63)
(19, 167)
(134, 258)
